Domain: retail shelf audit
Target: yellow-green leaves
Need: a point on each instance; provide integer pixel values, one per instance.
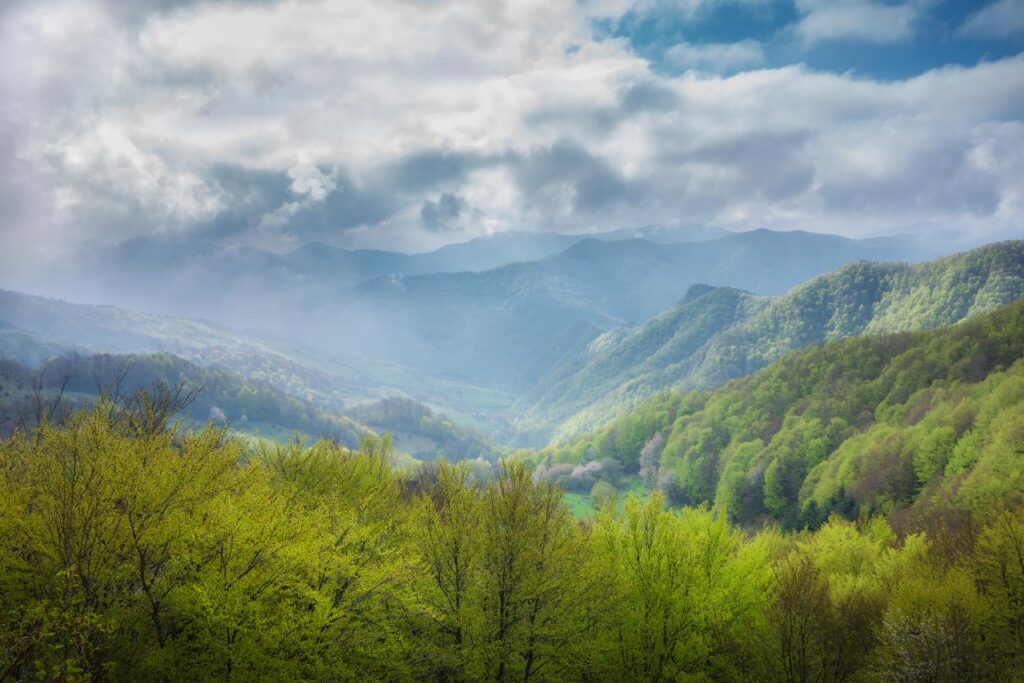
(132, 555)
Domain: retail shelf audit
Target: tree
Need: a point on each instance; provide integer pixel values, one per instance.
(540, 597)
(448, 537)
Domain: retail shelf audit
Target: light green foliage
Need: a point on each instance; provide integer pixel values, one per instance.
(603, 494)
(132, 549)
(688, 587)
(899, 425)
(997, 567)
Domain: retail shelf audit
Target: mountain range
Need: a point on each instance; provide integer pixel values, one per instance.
(716, 334)
(529, 349)
(165, 275)
(508, 327)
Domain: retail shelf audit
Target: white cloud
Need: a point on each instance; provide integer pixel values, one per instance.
(310, 181)
(716, 57)
(684, 8)
(860, 20)
(1000, 19)
(340, 121)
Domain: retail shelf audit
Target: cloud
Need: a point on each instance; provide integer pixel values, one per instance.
(406, 125)
(687, 9)
(636, 99)
(312, 181)
(441, 214)
(430, 168)
(139, 11)
(1000, 19)
(858, 20)
(716, 57)
(566, 179)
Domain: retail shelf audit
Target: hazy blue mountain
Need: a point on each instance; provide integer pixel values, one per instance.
(666, 234)
(36, 329)
(493, 251)
(510, 326)
(717, 334)
(111, 329)
(235, 284)
(465, 342)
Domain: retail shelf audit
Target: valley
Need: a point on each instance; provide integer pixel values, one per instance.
(737, 461)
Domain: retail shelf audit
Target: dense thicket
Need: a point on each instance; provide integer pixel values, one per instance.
(131, 550)
(905, 425)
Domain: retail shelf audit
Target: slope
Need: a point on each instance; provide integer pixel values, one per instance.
(715, 334)
(906, 424)
(251, 406)
(36, 329)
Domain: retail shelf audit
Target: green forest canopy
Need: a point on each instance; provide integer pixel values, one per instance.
(130, 550)
(891, 424)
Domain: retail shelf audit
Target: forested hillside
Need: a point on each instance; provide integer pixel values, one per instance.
(904, 425)
(131, 552)
(35, 329)
(430, 435)
(851, 512)
(250, 406)
(715, 335)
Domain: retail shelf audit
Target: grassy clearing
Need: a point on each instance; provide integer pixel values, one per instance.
(582, 506)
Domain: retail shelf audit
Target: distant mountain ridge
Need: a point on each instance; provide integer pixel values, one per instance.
(467, 343)
(504, 328)
(717, 334)
(510, 326)
(191, 279)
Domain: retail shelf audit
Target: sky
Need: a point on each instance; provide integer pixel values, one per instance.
(409, 124)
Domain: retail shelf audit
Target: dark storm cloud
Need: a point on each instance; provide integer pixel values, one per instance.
(595, 183)
(441, 214)
(348, 206)
(431, 168)
(954, 184)
(642, 97)
(387, 191)
(769, 166)
(249, 195)
(253, 196)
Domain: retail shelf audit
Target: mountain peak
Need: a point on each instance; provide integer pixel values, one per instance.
(695, 292)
